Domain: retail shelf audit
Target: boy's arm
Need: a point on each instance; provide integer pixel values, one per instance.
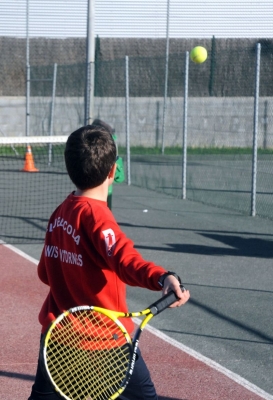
(42, 269)
(120, 255)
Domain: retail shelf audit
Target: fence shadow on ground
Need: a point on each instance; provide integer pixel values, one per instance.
(169, 398)
(16, 375)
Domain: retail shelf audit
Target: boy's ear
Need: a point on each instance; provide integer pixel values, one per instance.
(112, 171)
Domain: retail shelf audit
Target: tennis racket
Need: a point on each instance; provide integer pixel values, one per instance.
(87, 353)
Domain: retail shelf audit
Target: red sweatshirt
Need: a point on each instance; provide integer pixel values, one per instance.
(88, 260)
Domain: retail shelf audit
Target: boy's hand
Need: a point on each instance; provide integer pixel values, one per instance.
(171, 283)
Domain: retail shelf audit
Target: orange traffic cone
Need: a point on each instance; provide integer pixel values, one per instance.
(29, 161)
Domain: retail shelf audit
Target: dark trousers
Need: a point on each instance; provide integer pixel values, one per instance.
(140, 386)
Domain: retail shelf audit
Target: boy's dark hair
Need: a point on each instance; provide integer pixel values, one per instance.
(90, 153)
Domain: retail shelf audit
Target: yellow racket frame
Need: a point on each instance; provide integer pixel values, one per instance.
(114, 316)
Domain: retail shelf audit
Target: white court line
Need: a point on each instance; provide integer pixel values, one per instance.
(236, 378)
(21, 253)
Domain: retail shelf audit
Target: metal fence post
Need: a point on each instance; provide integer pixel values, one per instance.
(185, 122)
(255, 131)
(27, 71)
(52, 111)
(90, 65)
(127, 114)
(166, 78)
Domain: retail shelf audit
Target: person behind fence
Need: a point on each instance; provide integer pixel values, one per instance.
(119, 174)
(102, 258)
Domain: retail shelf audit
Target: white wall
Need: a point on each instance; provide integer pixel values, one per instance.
(212, 122)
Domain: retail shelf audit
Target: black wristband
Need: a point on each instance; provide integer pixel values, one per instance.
(164, 276)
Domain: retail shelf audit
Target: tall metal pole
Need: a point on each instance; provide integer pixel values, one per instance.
(90, 64)
(185, 125)
(27, 70)
(166, 77)
(127, 114)
(255, 131)
(54, 81)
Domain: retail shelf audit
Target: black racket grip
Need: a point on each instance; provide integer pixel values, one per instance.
(164, 302)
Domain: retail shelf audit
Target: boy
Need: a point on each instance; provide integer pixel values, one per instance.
(87, 259)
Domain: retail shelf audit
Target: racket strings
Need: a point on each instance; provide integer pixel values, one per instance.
(99, 373)
(87, 356)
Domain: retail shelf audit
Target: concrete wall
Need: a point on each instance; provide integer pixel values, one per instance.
(211, 121)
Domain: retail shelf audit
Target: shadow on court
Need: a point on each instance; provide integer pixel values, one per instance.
(170, 398)
(258, 334)
(241, 247)
(15, 375)
(235, 245)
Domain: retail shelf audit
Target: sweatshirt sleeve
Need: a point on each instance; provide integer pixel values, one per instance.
(42, 269)
(120, 256)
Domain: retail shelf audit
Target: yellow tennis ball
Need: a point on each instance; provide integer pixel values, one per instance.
(198, 54)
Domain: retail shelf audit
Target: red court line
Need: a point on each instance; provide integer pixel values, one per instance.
(176, 374)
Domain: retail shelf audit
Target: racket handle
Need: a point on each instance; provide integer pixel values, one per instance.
(164, 302)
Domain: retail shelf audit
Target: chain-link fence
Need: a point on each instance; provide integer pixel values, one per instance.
(56, 99)
(220, 117)
(220, 126)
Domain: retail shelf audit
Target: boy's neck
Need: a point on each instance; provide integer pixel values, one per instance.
(100, 192)
(97, 193)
